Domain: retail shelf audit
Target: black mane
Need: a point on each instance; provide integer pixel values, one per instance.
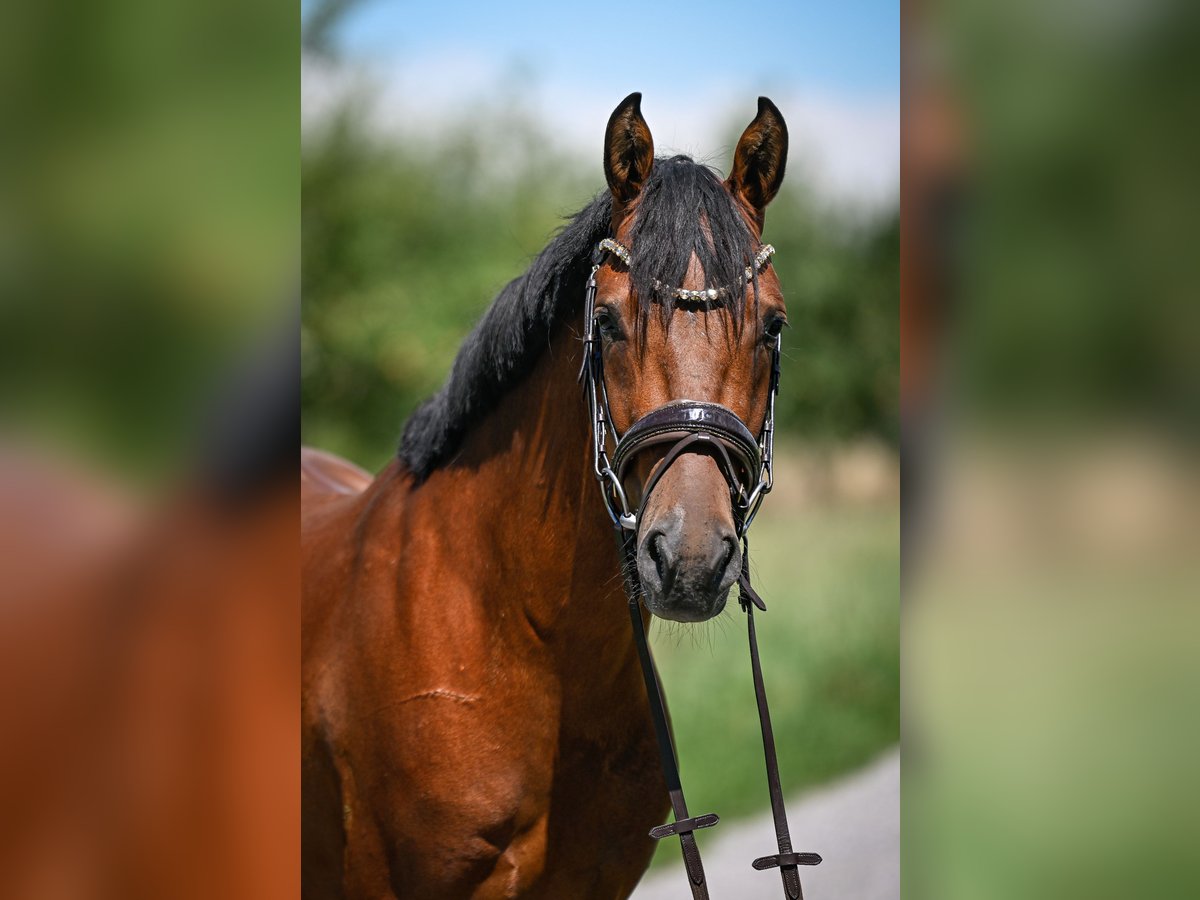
(684, 209)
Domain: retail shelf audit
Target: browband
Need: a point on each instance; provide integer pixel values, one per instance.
(704, 295)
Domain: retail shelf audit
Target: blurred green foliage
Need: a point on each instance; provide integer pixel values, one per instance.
(1078, 266)
(407, 238)
(147, 216)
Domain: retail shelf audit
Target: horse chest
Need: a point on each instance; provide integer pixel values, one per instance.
(512, 811)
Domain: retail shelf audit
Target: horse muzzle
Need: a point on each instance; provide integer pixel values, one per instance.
(688, 554)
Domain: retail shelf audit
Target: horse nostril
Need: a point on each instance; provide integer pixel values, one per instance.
(663, 566)
(724, 558)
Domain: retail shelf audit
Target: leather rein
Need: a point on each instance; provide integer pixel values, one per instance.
(690, 426)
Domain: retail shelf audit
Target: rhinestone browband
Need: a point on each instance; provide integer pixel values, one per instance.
(707, 294)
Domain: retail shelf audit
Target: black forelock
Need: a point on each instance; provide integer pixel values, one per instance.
(683, 209)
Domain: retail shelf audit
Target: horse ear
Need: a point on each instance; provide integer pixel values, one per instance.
(760, 158)
(628, 149)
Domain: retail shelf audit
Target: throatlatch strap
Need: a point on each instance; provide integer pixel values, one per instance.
(786, 859)
(684, 824)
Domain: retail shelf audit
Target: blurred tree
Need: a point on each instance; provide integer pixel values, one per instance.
(319, 20)
(147, 225)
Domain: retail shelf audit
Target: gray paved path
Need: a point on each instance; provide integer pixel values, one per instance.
(854, 823)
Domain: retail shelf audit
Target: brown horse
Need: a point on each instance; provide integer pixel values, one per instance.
(474, 718)
(148, 667)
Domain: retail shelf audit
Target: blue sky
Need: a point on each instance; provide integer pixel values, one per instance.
(851, 46)
(833, 68)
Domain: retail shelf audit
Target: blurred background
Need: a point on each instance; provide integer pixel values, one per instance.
(442, 146)
(149, 637)
(1046, 416)
(1050, 338)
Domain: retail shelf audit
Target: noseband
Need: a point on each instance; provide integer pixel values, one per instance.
(690, 426)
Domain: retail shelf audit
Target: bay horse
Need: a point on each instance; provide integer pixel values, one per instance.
(474, 721)
(149, 656)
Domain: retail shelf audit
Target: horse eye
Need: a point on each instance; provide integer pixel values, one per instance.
(607, 323)
(774, 327)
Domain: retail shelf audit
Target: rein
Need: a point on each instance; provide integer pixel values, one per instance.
(690, 426)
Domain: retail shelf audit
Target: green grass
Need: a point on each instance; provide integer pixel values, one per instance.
(830, 653)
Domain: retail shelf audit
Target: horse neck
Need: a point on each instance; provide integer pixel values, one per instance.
(538, 521)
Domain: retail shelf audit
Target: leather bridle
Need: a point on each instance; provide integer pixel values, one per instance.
(724, 432)
(746, 462)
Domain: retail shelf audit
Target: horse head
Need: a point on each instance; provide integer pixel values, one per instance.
(686, 316)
